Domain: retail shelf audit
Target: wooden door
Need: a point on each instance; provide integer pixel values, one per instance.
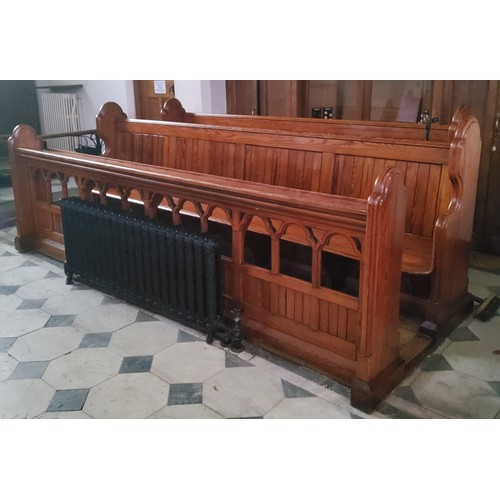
(267, 97)
(488, 205)
(242, 97)
(150, 95)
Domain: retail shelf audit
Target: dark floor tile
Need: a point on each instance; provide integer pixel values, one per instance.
(108, 300)
(462, 334)
(30, 369)
(436, 362)
(496, 386)
(233, 361)
(6, 343)
(392, 412)
(8, 290)
(28, 264)
(293, 391)
(60, 320)
(31, 304)
(136, 364)
(142, 317)
(405, 392)
(51, 274)
(185, 394)
(185, 337)
(96, 340)
(68, 400)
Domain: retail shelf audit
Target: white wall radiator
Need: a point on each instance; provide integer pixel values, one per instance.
(59, 113)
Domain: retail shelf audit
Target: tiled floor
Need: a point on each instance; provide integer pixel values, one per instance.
(67, 351)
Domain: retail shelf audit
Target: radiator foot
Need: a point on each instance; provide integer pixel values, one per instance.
(228, 336)
(69, 275)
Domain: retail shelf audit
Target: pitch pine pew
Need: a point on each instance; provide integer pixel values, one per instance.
(352, 337)
(173, 111)
(343, 158)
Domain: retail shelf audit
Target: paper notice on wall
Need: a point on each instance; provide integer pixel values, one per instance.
(160, 86)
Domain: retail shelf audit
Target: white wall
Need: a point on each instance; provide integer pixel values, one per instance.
(197, 96)
(95, 93)
(202, 96)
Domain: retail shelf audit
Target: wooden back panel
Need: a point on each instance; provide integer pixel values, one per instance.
(173, 111)
(310, 162)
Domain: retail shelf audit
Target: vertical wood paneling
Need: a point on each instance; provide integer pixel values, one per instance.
(229, 160)
(314, 313)
(290, 304)
(188, 154)
(352, 325)
(216, 155)
(315, 172)
(366, 179)
(270, 166)
(306, 309)
(137, 147)
(411, 182)
(125, 142)
(259, 167)
(282, 300)
(333, 317)
(431, 202)
(418, 215)
(239, 161)
(204, 153)
(274, 298)
(327, 171)
(147, 149)
(281, 168)
(172, 149)
(297, 313)
(342, 323)
(323, 315)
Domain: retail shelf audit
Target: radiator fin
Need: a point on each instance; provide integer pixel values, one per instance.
(163, 269)
(59, 113)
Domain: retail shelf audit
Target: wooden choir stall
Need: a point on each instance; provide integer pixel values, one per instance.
(333, 236)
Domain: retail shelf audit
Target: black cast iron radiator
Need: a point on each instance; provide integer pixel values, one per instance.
(166, 270)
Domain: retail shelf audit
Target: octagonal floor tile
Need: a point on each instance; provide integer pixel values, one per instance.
(107, 318)
(456, 395)
(73, 302)
(131, 395)
(19, 322)
(46, 344)
(83, 368)
(10, 262)
(9, 302)
(487, 331)
(188, 362)
(140, 339)
(314, 407)
(43, 289)
(24, 398)
(242, 392)
(22, 275)
(7, 366)
(474, 358)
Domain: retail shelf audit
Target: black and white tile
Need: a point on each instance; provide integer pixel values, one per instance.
(67, 351)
